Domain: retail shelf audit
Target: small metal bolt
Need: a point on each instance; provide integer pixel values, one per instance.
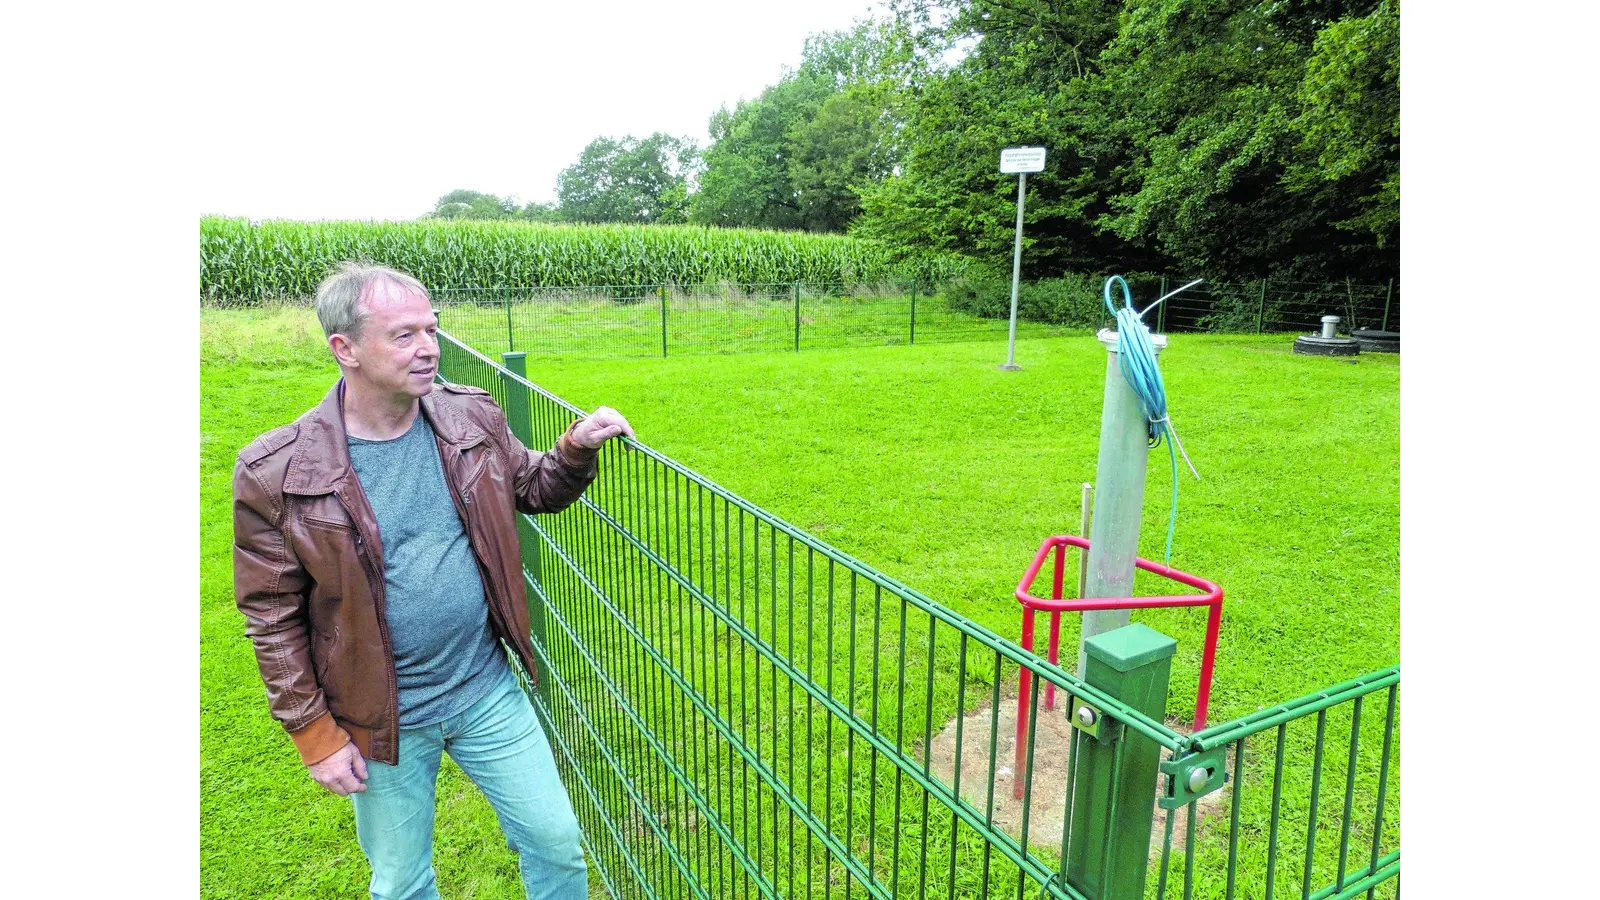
(1086, 717)
(1198, 778)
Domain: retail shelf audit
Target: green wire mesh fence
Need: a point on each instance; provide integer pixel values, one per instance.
(1276, 306)
(1273, 832)
(739, 709)
(645, 320)
(656, 320)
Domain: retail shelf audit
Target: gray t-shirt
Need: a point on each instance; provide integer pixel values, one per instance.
(445, 655)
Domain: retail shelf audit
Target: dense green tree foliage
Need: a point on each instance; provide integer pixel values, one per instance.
(629, 180)
(543, 212)
(1349, 120)
(462, 204)
(800, 154)
(1229, 137)
(1232, 138)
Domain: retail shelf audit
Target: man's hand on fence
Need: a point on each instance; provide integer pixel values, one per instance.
(344, 773)
(601, 425)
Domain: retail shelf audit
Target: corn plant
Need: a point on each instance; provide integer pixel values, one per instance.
(246, 262)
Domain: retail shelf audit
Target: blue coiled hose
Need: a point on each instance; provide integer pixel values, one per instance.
(1136, 353)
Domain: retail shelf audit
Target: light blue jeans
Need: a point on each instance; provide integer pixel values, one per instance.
(499, 743)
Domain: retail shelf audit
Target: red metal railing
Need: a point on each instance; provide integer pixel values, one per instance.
(1055, 605)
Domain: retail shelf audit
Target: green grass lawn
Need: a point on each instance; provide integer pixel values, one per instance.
(925, 462)
(945, 473)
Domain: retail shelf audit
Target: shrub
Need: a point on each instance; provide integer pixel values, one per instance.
(1073, 299)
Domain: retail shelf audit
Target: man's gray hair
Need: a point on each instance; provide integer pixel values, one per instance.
(342, 296)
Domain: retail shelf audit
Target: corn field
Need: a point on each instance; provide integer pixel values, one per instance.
(246, 262)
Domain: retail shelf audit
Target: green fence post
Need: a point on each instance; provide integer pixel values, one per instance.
(1161, 312)
(519, 414)
(1386, 298)
(1114, 789)
(519, 417)
(913, 310)
(797, 317)
(511, 342)
(662, 290)
(1261, 308)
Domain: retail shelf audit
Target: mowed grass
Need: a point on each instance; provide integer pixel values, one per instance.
(923, 461)
(942, 471)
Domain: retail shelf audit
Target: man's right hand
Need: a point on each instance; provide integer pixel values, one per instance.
(343, 773)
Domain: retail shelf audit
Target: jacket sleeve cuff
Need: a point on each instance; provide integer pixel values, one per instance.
(319, 740)
(574, 453)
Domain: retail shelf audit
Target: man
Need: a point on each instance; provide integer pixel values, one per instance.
(377, 566)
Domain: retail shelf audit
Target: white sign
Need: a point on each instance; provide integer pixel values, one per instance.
(1018, 160)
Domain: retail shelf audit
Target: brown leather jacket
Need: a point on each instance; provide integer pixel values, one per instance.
(308, 564)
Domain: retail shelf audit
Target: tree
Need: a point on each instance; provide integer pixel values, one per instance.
(1025, 79)
(1238, 138)
(629, 180)
(848, 146)
(1349, 122)
(1208, 94)
(746, 182)
(542, 212)
(800, 154)
(462, 204)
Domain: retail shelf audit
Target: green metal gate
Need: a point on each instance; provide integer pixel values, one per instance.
(739, 709)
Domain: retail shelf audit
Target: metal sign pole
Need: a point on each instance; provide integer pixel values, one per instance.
(1016, 275)
(1018, 161)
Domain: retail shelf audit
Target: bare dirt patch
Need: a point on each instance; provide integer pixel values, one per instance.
(1048, 798)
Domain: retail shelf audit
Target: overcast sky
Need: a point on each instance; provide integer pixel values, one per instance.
(372, 111)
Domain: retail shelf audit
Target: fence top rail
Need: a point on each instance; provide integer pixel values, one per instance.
(1050, 672)
(1344, 692)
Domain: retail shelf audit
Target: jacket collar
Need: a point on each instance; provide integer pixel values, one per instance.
(321, 460)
